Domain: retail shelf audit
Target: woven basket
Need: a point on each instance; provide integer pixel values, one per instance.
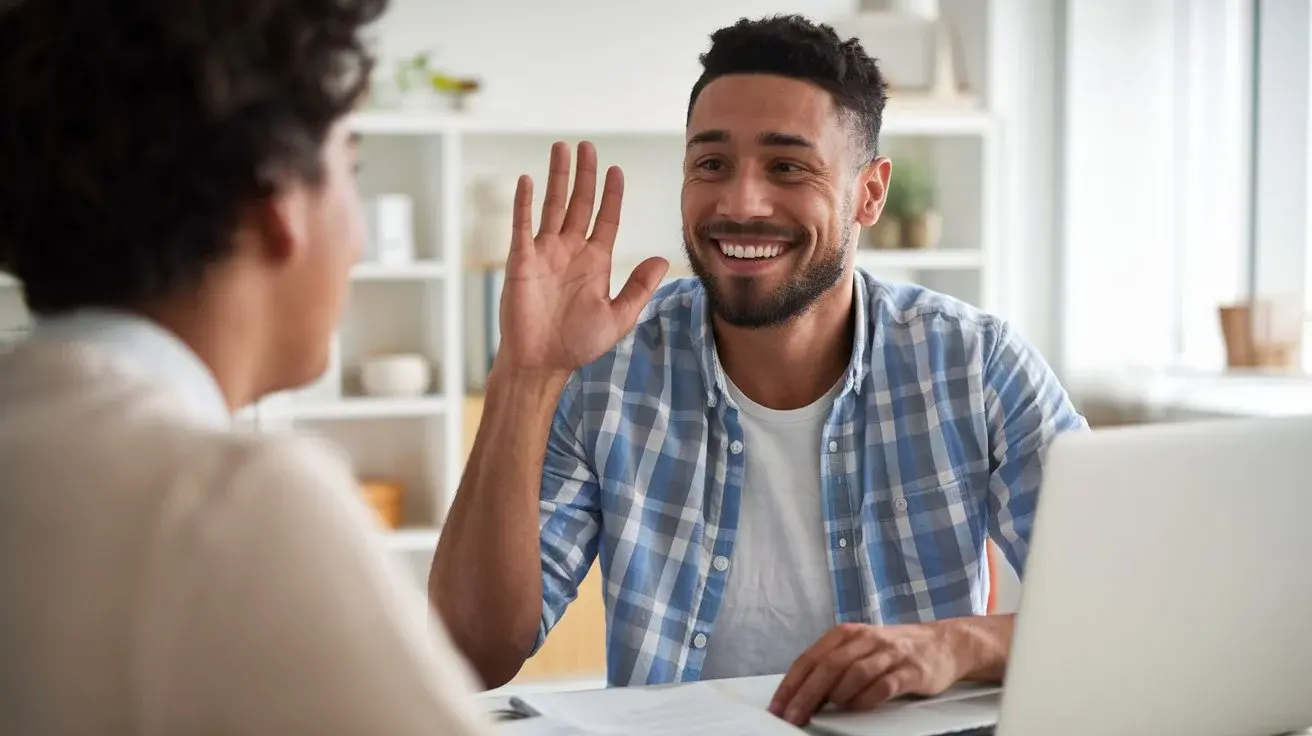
(385, 498)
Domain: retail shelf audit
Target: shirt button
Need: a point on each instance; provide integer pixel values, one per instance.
(900, 504)
(842, 541)
(711, 401)
(721, 563)
(735, 447)
(699, 641)
(833, 446)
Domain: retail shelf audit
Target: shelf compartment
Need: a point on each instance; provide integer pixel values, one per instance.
(406, 450)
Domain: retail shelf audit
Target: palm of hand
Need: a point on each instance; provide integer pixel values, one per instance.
(556, 309)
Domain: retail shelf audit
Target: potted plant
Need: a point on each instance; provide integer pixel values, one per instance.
(912, 200)
(421, 85)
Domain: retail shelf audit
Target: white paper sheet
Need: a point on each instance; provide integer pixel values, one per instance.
(685, 710)
(538, 726)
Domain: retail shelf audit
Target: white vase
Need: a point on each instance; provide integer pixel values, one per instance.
(493, 201)
(390, 227)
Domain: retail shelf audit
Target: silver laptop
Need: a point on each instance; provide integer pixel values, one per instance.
(1169, 584)
(1168, 591)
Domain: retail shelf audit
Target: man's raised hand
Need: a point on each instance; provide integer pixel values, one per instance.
(556, 309)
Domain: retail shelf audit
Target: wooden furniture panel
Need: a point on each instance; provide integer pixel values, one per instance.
(576, 647)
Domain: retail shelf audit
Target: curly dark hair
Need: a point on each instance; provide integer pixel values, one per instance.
(132, 133)
(793, 46)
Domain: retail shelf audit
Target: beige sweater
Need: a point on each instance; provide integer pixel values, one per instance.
(162, 575)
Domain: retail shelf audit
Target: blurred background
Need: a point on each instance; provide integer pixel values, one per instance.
(1126, 180)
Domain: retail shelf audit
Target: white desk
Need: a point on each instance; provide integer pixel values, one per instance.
(753, 694)
(756, 691)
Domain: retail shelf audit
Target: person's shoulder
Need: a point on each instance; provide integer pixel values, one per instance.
(209, 468)
(671, 311)
(271, 493)
(279, 468)
(904, 307)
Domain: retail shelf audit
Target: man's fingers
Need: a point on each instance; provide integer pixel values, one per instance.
(579, 213)
(825, 674)
(522, 220)
(638, 289)
(802, 666)
(608, 214)
(899, 681)
(553, 206)
(862, 674)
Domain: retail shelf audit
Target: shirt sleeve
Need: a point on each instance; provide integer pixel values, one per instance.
(569, 511)
(274, 608)
(1026, 408)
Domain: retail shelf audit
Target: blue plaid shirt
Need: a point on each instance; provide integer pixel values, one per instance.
(933, 445)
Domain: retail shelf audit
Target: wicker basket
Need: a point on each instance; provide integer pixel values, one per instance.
(385, 498)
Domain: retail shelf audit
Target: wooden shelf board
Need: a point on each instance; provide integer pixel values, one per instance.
(907, 120)
(417, 271)
(359, 408)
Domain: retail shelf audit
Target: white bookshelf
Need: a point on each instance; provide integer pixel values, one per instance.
(410, 307)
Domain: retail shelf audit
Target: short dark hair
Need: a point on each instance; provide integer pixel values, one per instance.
(792, 46)
(132, 133)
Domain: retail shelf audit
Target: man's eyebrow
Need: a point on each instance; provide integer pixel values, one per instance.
(783, 139)
(708, 136)
(765, 139)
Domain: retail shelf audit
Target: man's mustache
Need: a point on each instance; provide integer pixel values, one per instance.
(720, 229)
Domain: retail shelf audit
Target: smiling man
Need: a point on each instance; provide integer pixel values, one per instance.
(788, 466)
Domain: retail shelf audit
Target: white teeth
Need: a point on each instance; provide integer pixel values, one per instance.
(734, 250)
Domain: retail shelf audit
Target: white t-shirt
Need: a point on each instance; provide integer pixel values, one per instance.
(778, 599)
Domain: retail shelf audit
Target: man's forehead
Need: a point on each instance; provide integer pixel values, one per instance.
(763, 109)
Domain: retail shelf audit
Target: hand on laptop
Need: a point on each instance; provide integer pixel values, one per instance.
(859, 666)
(556, 309)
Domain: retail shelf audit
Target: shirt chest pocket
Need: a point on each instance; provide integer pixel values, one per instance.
(933, 509)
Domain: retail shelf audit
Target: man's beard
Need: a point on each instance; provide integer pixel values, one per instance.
(740, 300)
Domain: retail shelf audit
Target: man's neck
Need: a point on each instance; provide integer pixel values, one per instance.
(226, 341)
(791, 366)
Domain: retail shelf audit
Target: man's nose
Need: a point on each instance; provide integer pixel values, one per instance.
(745, 197)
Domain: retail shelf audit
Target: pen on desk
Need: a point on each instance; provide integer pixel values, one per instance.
(507, 714)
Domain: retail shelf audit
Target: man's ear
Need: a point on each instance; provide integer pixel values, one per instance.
(281, 221)
(872, 186)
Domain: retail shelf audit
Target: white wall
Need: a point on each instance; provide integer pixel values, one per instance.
(1025, 86)
(1117, 181)
(573, 58)
(1155, 179)
(1282, 147)
(1214, 72)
